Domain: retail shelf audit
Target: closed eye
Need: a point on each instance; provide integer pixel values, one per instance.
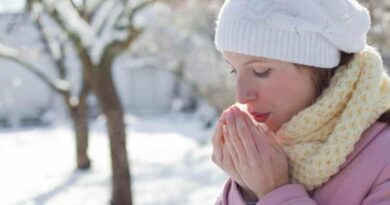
(262, 74)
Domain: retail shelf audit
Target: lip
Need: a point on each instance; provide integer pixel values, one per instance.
(260, 117)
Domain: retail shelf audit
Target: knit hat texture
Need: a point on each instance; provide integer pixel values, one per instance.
(307, 32)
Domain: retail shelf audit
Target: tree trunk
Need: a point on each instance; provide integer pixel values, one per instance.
(112, 109)
(78, 114)
(80, 123)
(101, 81)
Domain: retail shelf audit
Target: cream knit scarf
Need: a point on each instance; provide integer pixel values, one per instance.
(318, 139)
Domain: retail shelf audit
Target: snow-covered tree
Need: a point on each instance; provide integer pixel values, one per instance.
(99, 31)
(185, 46)
(75, 103)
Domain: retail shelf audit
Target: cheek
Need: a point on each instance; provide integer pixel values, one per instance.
(289, 94)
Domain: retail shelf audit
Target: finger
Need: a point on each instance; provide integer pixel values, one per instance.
(217, 155)
(271, 138)
(227, 161)
(245, 135)
(230, 148)
(218, 135)
(233, 136)
(258, 135)
(218, 140)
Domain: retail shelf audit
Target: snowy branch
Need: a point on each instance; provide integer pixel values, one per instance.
(123, 37)
(91, 9)
(70, 21)
(76, 40)
(17, 57)
(110, 31)
(101, 14)
(55, 48)
(74, 5)
(105, 25)
(139, 7)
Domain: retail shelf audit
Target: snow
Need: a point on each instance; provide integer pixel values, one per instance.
(170, 159)
(101, 32)
(101, 15)
(11, 6)
(106, 32)
(8, 51)
(74, 22)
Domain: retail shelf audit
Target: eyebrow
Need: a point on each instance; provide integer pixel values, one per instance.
(249, 62)
(254, 61)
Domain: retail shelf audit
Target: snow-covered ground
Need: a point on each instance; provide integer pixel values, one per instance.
(169, 155)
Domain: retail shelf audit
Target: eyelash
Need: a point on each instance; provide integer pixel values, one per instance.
(260, 75)
(263, 74)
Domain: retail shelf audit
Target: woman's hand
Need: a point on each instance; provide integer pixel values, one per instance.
(258, 158)
(222, 157)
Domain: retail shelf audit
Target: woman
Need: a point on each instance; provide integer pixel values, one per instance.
(311, 123)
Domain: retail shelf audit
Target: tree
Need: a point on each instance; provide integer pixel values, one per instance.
(76, 105)
(187, 27)
(99, 31)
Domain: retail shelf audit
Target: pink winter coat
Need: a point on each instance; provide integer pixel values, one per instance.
(363, 179)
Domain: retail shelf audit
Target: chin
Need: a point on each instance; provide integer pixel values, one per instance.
(274, 127)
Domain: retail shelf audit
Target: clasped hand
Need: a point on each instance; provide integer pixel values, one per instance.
(248, 152)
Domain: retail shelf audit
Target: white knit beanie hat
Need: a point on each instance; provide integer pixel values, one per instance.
(307, 32)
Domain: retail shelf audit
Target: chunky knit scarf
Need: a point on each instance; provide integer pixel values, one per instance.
(318, 139)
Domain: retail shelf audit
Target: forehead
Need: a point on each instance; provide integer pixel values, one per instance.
(234, 58)
(238, 60)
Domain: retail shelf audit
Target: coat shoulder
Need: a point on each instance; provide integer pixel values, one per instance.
(380, 145)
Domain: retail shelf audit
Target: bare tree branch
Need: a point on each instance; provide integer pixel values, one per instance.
(16, 56)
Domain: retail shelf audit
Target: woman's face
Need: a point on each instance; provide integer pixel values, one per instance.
(273, 90)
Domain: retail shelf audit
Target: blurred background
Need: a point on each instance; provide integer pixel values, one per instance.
(115, 101)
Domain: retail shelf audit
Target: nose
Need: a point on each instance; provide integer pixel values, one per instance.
(245, 92)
